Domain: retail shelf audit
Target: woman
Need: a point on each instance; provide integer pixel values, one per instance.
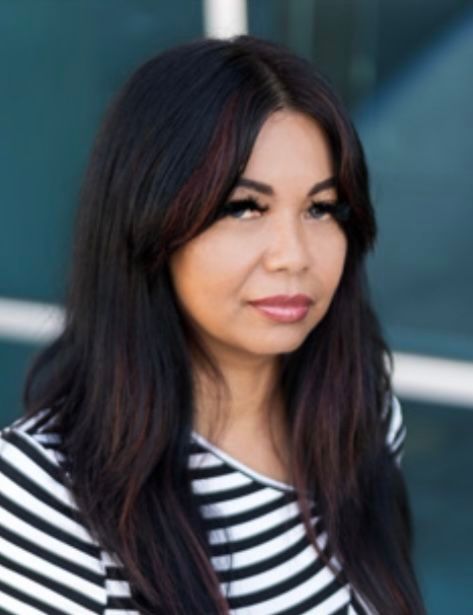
(215, 429)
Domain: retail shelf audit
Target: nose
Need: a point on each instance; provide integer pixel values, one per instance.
(287, 246)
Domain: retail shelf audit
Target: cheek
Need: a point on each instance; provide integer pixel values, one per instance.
(336, 262)
(206, 274)
(328, 262)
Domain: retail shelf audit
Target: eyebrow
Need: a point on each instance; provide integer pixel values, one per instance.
(246, 182)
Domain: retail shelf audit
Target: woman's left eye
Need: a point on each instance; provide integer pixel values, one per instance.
(320, 209)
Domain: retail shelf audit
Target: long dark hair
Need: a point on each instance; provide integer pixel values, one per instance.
(118, 380)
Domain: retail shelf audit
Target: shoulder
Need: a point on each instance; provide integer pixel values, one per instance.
(396, 430)
(47, 556)
(33, 442)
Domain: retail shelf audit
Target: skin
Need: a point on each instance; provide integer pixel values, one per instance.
(284, 250)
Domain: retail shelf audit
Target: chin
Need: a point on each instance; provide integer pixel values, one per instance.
(276, 346)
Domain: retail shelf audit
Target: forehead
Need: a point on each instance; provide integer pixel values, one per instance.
(290, 147)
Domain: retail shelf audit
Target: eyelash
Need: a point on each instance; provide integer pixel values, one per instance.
(339, 211)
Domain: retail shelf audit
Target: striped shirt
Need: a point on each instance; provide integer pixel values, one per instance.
(50, 564)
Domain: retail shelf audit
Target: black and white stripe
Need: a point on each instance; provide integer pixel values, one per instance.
(50, 564)
(274, 568)
(48, 561)
(397, 431)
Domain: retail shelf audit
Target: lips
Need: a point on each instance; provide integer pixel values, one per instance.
(284, 301)
(284, 308)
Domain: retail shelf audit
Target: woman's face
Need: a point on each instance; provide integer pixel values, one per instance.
(290, 248)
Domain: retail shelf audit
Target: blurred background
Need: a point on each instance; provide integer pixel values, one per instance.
(404, 69)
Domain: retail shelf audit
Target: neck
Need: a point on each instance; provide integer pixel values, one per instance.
(250, 409)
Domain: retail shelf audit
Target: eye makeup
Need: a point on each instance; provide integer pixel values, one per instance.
(339, 211)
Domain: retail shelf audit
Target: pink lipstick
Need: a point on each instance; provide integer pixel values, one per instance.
(284, 308)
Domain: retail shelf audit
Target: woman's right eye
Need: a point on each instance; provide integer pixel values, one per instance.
(237, 207)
